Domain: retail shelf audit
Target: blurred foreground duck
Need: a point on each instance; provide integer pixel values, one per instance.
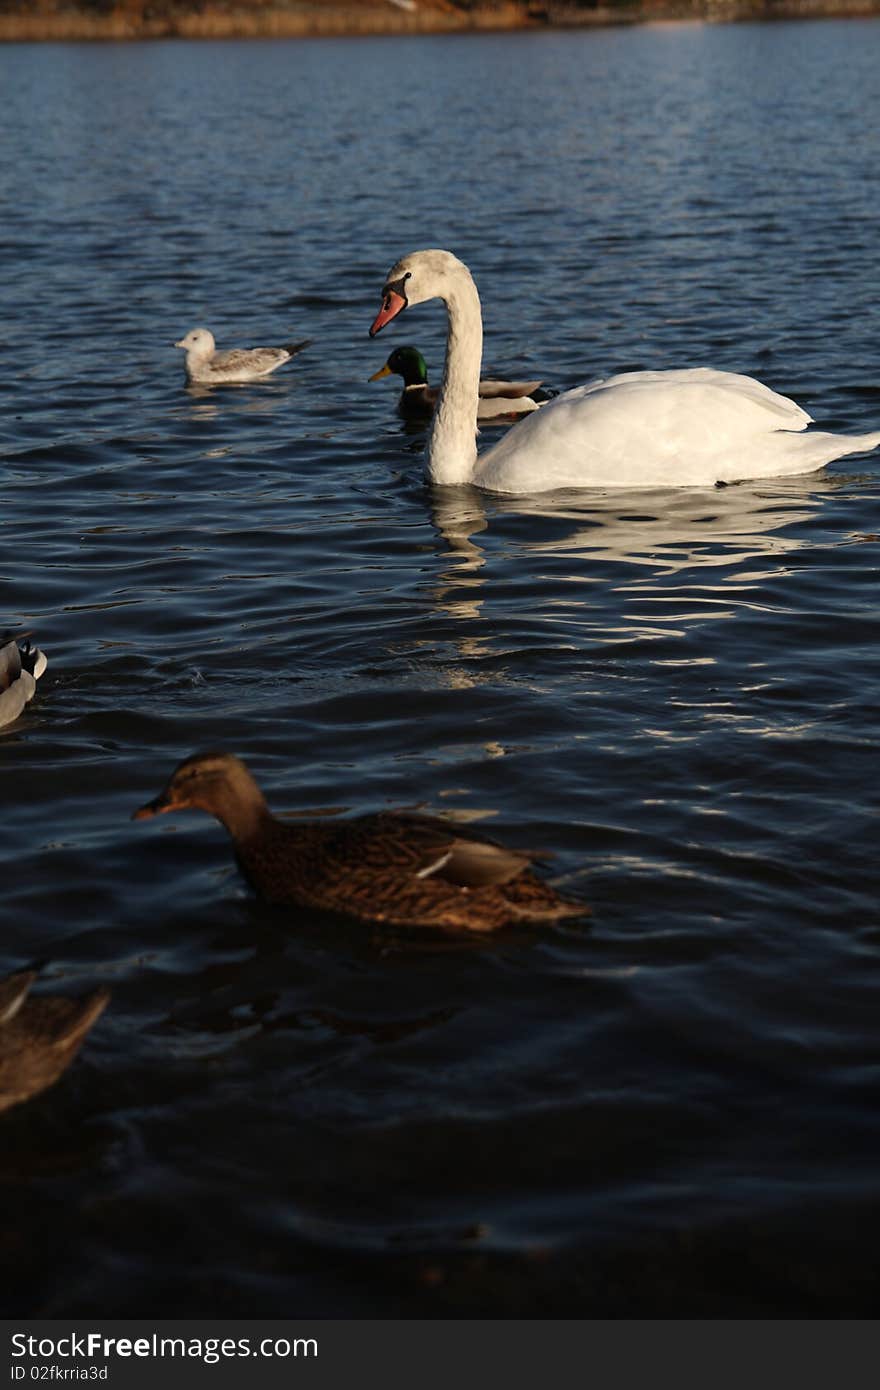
(21, 666)
(395, 868)
(39, 1038)
(497, 399)
(206, 366)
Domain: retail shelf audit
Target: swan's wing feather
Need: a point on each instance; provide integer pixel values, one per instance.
(637, 429)
(692, 399)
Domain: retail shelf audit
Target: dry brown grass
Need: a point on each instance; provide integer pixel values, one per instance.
(29, 20)
(249, 19)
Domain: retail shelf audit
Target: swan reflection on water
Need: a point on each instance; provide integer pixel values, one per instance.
(666, 531)
(574, 596)
(593, 561)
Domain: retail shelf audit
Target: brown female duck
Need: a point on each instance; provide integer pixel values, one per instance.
(395, 868)
(39, 1038)
(21, 666)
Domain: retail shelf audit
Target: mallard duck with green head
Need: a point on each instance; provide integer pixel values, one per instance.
(497, 400)
(394, 868)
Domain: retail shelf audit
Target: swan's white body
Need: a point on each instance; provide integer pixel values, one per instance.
(694, 427)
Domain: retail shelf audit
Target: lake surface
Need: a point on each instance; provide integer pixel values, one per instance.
(670, 1110)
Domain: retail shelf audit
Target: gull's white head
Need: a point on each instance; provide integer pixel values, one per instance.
(419, 276)
(198, 342)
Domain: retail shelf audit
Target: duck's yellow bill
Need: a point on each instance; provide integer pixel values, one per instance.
(383, 371)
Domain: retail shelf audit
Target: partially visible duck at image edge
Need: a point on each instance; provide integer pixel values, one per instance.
(39, 1038)
(21, 666)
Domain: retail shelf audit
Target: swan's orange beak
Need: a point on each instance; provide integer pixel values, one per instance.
(392, 304)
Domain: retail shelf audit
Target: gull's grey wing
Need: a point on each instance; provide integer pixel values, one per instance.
(256, 360)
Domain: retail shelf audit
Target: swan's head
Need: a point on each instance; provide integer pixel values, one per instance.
(198, 341)
(421, 275)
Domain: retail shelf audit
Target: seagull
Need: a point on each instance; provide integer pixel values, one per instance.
(206, 366)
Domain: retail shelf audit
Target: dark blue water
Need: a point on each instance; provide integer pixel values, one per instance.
(670, 1111)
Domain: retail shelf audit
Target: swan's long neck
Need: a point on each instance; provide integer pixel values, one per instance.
(452, 444)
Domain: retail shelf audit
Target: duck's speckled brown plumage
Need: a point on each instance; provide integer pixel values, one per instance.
(395, 868)
(39, 1038)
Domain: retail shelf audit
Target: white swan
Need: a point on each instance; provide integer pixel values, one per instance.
(694, 427)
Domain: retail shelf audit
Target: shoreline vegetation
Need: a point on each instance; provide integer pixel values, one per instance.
(65, 20)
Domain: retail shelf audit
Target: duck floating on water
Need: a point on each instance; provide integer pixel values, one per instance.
(498, 400)
(394, 868)
(39, 1038)
(689, 428)
(21, 666)
(205, 366)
